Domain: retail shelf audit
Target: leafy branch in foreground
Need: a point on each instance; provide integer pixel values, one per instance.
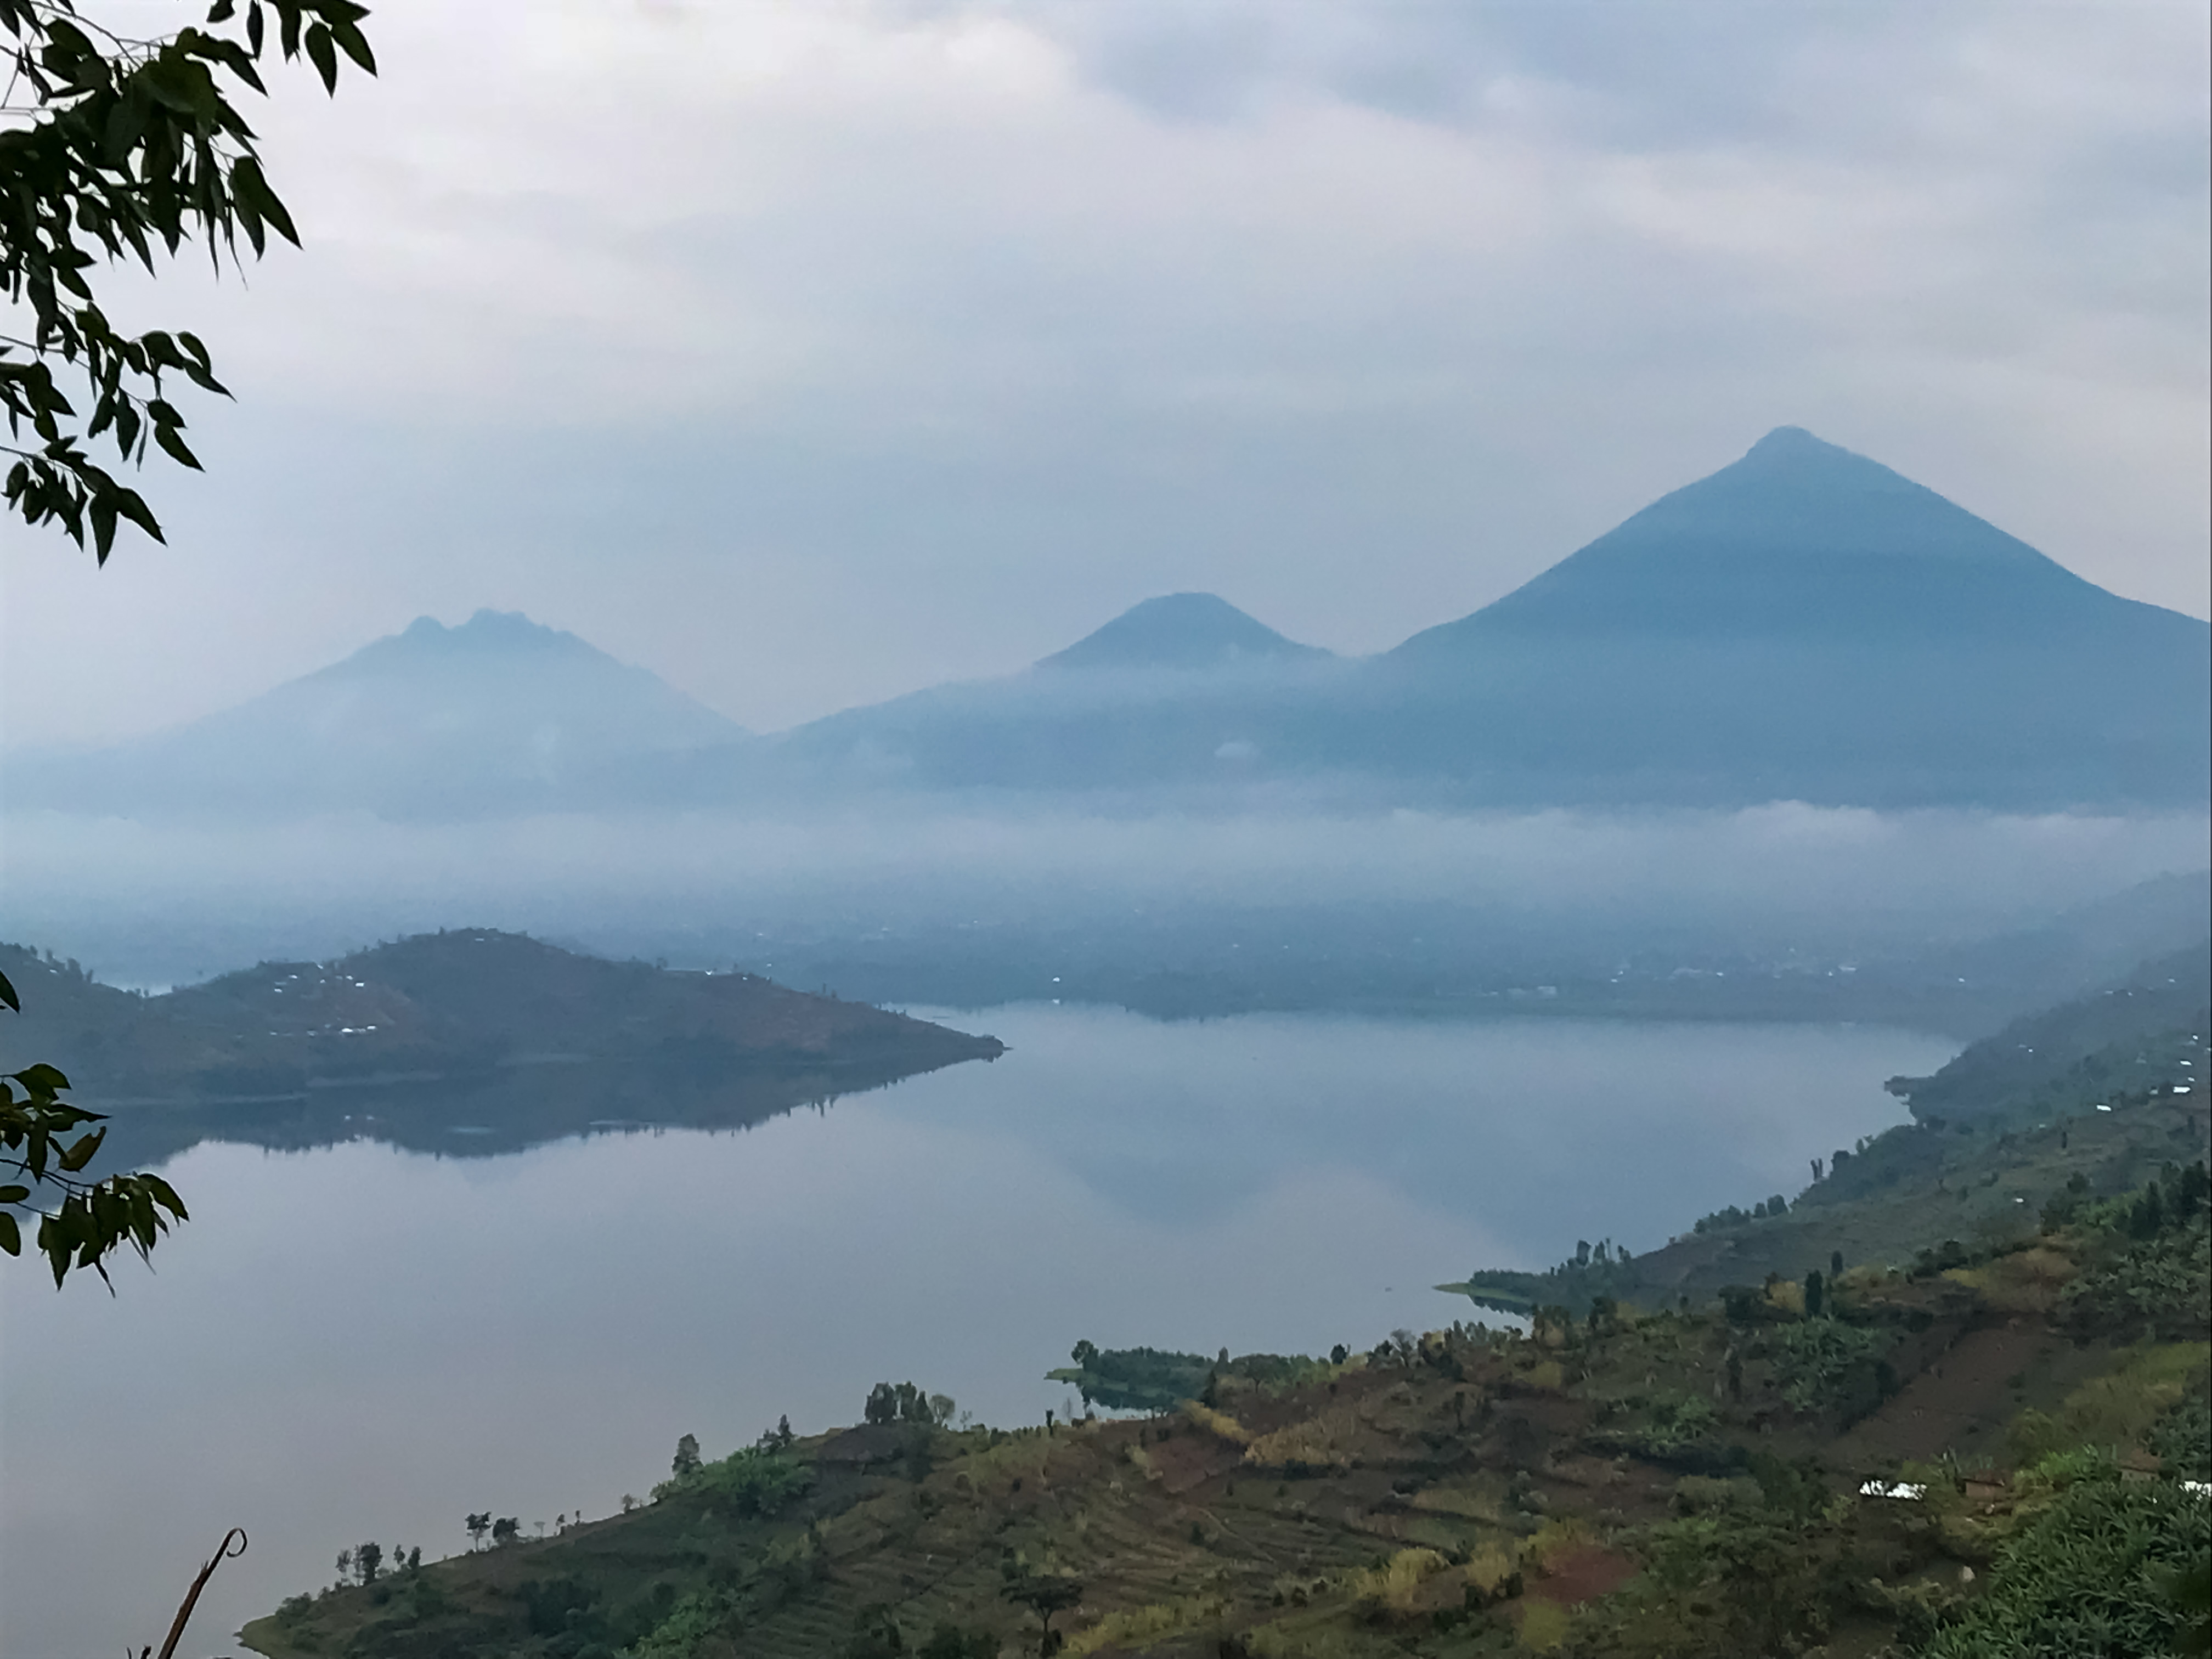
(42, 1156)
(111, 148)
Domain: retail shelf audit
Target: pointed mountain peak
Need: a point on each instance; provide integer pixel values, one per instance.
(1791, 458)
(1182, 631)
(1800, 539)
(1788, 442)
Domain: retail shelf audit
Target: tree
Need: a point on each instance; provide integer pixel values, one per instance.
(123, 147)
(686, 1463)
(1045, 1594)
(111, 148)
(506, 1530)
(1083, 1352)
(479, 1525)
(368, 1562)
(80, 1222)
(1816, 1294)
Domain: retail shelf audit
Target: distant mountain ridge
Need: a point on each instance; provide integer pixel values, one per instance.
(1803, 624)
(499, 713)
(2142, 1037)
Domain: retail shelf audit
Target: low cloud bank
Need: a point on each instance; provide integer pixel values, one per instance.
(146, 904)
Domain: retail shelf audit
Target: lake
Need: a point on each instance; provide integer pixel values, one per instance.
(360, 1342)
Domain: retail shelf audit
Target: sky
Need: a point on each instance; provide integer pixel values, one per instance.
(808, 353)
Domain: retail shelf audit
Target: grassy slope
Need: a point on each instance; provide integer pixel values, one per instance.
(1998, 1131)
(1380, 1507)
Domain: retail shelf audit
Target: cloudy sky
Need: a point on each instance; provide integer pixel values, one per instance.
(811, 352)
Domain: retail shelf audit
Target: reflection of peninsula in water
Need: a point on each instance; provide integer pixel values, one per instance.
(469, 1042)
(502, 1111)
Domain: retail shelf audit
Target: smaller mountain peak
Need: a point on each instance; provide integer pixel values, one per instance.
(1787, 441)
(1179, 630)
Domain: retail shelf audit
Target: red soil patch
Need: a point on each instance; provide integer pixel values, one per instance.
(1962, 1391)
(1581, 1575)
(1190, 1459)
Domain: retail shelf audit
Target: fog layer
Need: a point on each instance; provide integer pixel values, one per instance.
(144, 904)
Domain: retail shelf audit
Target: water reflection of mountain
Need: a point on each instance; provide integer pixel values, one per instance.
(469, 1042)
(501, 1111)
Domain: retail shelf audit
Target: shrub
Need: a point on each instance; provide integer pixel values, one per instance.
(2158, 1285)
(1823, 1365)
(1677, 1420)
(1390, 1588)
(2092, 1574)
(1698, 1494)
(2183, 1439)
(1545, 1626)
(1218, 1424)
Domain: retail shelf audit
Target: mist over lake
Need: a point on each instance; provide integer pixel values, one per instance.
(359, 1341)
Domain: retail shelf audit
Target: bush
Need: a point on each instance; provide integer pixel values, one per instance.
(753, 1481)
(2092, 1576)
(2159, 1286)
(1824, 1366)
(2183, 1439)
(1677, 1420)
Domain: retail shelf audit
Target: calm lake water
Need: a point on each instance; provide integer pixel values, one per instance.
(359, 1342)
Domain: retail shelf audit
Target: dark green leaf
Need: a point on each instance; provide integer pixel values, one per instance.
(167, 437)
(353, 43)
(321, 54)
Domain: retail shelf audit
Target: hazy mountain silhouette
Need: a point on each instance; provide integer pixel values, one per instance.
(1803, 624)
(1167, 692)
(498, 714)
(1197, 632)
(1801, 541)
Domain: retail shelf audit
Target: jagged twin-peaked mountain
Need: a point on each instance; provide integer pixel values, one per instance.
(1802, 624)
(499, 714)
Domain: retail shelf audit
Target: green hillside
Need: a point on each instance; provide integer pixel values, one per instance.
(1972, 1436)
(494, 1038)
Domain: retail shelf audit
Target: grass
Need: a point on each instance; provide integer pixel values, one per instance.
(1413, 1508)
(2115, 1412)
